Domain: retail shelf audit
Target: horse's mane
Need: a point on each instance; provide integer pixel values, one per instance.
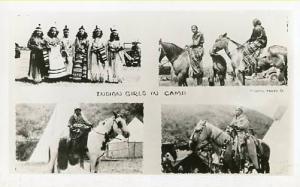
(217, 132)
(172, 47)
(172, 51)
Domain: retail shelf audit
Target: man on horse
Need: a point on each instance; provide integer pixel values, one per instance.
(196, 52)
(78, 124)
(254, 46)
(240, 123)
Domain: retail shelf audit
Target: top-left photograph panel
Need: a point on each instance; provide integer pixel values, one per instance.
(76, 47)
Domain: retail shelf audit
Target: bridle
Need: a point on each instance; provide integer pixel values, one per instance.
(208, 140)
(107, 133)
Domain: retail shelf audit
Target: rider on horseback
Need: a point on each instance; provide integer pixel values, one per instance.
(240, 123)
(196, 51)
(254, 46)
(78, 124)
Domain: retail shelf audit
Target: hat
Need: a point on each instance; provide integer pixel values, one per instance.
(256, 22)
(113, 29)
(66, 28)
(97, 28)
(77, 108)
(239, 108)
(38, 28)
(81, 27)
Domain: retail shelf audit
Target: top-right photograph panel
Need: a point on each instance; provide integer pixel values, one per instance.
(244, 48)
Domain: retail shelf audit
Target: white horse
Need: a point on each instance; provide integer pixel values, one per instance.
(60, 155)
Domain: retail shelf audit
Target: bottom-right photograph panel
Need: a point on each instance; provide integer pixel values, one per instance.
(226, 139)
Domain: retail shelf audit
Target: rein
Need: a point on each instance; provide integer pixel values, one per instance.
(104, 134)
(236, 43)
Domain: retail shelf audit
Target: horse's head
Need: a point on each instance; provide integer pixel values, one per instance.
(220, 43)
(200, 135)
(170, 50)
(161, 50)
(119, 125)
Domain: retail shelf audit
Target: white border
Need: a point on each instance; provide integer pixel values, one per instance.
(7, 179)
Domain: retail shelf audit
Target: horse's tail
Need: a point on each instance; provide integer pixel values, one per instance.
(62, 156)
(265, 157)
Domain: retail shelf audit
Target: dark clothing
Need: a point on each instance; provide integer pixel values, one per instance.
(257, 41)
(37, 69)
(198, 40)
(259, 34)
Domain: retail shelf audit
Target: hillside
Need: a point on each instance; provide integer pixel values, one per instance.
(178, 121)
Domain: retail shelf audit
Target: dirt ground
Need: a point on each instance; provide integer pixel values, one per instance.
(127, 166)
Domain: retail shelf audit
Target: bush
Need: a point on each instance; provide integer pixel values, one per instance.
(24, 149)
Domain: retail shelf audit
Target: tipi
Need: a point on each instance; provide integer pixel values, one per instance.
(279, 139)
(57, 127)
(136, 129)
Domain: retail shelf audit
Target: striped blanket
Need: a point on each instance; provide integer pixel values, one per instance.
(101, 55)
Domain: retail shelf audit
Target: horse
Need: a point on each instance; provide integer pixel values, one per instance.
(180, 60)
(277, 56)
(205, 133)
(70, 151)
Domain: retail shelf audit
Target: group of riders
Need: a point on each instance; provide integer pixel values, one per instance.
(240, 131)
(93, 60)
(252, 49)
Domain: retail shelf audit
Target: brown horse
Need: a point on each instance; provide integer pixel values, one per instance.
(180, 60)
(205, 133)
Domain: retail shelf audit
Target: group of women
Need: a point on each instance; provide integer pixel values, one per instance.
(82, 60)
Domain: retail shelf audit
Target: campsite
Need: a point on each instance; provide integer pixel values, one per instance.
(178, 123)
(36, 130)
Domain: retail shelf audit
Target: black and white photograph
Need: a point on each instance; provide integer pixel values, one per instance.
(211, 48)
(66, 48)
(226, 139)
(79, 138)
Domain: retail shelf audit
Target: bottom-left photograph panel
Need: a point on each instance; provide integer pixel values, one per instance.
(79, 138)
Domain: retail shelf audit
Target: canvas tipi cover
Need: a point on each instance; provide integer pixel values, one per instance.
(57, 127)
(136, 129)
(279, 138)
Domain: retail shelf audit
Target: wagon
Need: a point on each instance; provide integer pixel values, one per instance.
(134, 51)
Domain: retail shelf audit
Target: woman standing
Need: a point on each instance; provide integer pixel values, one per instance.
(57, 67)
(115, 57)
(67, 50)
(97, 57)
(80, 65)
(36, 44)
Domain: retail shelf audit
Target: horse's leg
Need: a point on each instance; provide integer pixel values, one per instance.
(181, 80)
(52, 159)
(241, 77)
(81, 162)
(233, 72)
(93, 160)
(244, 78)
(97, 165)
(199, 80)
